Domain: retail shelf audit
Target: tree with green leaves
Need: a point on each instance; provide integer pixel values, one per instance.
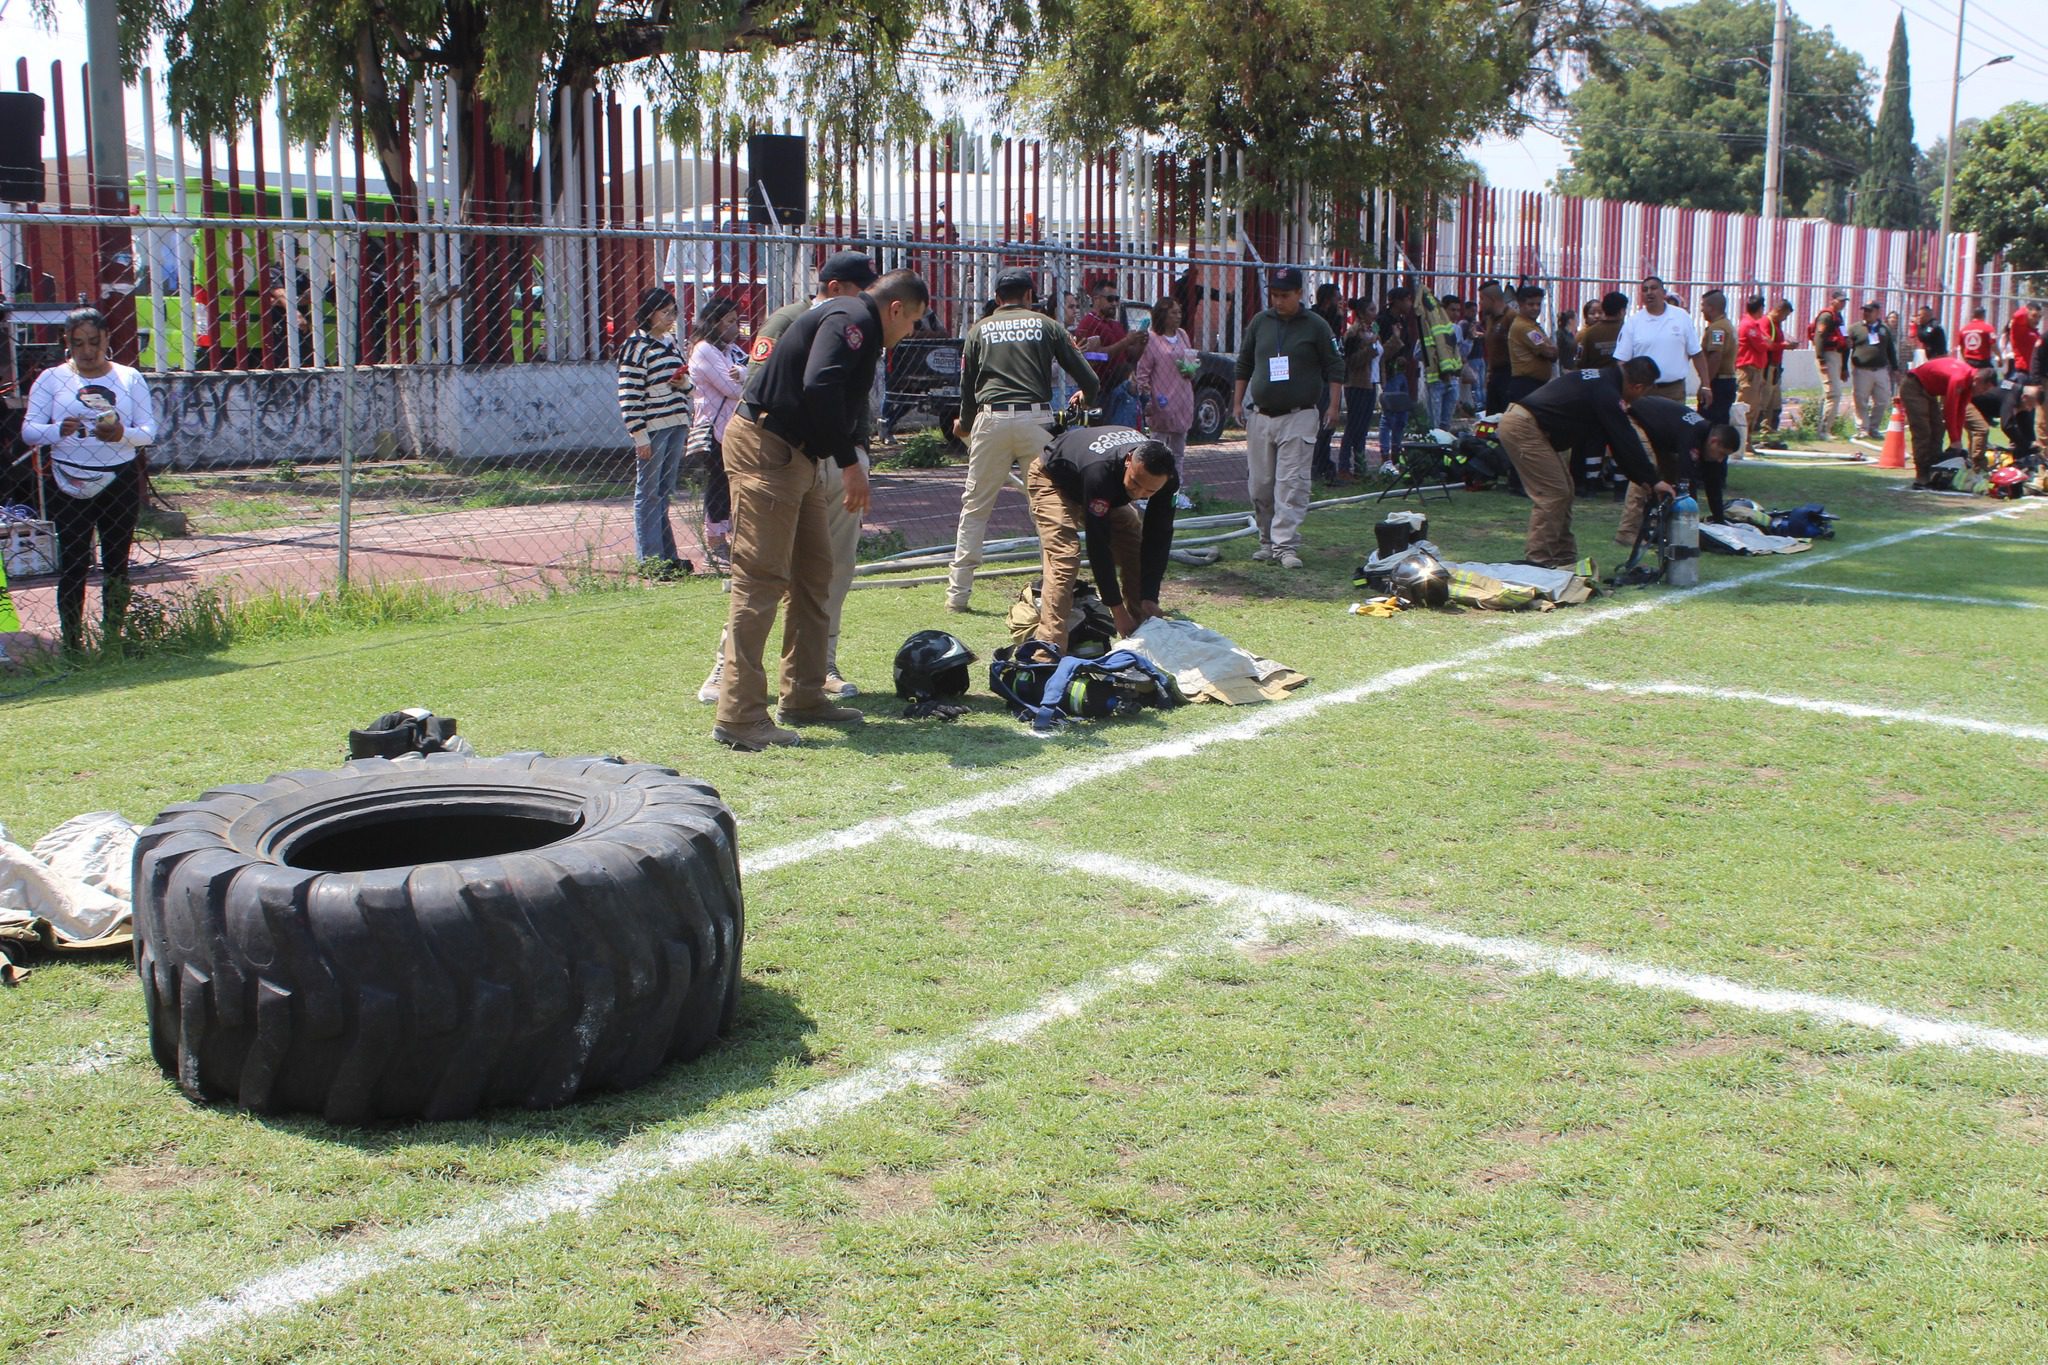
(1337, 94)
(1889, 196)
(842, 59)
(1676, 113)
(1999, 191)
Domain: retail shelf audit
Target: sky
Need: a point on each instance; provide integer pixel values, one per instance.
(1531, 160)
(1995, 28)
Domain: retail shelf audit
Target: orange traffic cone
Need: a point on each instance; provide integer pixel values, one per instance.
(1893, 456)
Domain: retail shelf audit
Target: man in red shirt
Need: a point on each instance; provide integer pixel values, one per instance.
(1113, 349)
(1753, 359)
(1940, 396)
(2022, 333)
(1780, 324)
(1978, 341)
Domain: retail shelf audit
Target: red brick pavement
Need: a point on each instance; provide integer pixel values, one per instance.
(509, 551)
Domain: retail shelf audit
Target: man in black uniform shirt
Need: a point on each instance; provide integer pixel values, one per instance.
(805, 404)
(1084, 485)
(1686, 446)
(1541, 430)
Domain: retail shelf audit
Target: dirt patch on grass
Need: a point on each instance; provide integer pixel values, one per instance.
(1730, 1248)
(2026, 1116)
(1611, 1292)
(1374, 1282)
(884, 1194)
(749, 1334)
(788, 1237)
(151, 1178)
(1296, 943)
(1500, 1176)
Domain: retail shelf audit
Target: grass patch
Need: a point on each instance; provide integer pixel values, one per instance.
(1305, 1150)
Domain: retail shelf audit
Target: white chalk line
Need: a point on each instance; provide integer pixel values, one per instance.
(159, 1338)
(581, 1190)
(1295, 710)
(1957, 599)
(88, 1059)
(1271, 908)
(1826, 706)
(2002, 540)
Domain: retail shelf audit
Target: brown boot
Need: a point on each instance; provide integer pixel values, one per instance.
(752, 739)
(821, 715)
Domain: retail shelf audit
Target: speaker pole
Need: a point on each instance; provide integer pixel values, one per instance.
(113, 246)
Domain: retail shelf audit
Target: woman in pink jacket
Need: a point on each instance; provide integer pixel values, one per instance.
(1165, 380)
(719, 370)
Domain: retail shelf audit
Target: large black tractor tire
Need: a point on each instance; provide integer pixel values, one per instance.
(431, 937)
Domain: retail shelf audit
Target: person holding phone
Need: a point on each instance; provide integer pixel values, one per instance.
(93, 417)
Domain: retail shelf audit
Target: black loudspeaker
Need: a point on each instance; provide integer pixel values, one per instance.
(776, 168)
(21, 147)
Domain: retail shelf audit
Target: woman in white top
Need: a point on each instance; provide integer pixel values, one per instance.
(93, 416)
(719, 370)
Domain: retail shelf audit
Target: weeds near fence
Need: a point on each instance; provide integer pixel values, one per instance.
(880, 545)
(923, 449)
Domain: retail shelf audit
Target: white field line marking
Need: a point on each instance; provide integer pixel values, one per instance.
(2003, 540)
(1279, 714)
(161, 1337)
(1956, 598)
(87, 1060)
(1274, 908)
(1819, 705)
(582, 1190)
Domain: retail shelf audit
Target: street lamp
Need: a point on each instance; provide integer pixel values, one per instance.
(1948, 169)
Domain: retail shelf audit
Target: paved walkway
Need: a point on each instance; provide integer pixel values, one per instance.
(510, 551)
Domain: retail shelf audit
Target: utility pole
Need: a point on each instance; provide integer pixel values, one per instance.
(113, 246)
(1948, 168)
(1774, 142)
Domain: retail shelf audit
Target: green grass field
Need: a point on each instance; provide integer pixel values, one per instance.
(1455, 1010)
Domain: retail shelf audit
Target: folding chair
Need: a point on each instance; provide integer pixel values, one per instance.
(1420, 469)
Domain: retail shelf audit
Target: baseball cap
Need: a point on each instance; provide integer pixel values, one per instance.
(1286, 277)
(848, 267)
(1014, 279)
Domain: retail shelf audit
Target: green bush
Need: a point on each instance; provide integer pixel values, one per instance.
(925, 449)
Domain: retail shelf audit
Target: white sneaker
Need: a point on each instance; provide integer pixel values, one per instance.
(836, 686)
(1263, 553)
(708, 693)
(1288, 559)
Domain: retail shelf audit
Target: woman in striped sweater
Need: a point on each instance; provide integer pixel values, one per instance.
(654, 402)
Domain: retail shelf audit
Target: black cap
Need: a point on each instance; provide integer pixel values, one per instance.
(1015, 278)
(848, 267)
(1286, 277)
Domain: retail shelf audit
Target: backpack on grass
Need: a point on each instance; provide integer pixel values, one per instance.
(1048, 688)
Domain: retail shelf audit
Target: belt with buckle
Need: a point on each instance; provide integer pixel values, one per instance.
(1018, 407)
(1283, 412)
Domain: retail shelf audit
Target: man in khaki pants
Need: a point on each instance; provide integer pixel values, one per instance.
(1006, 410)
(1293, 369)
(807, 404)
(1540, 432)
(1082, 490)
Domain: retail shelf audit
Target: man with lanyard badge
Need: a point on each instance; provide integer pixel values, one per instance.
(1294, 371)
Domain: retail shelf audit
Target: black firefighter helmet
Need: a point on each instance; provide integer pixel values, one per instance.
(932, 664)
(1421, 580)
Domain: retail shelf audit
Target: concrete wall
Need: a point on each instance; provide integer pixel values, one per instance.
(483, 412)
